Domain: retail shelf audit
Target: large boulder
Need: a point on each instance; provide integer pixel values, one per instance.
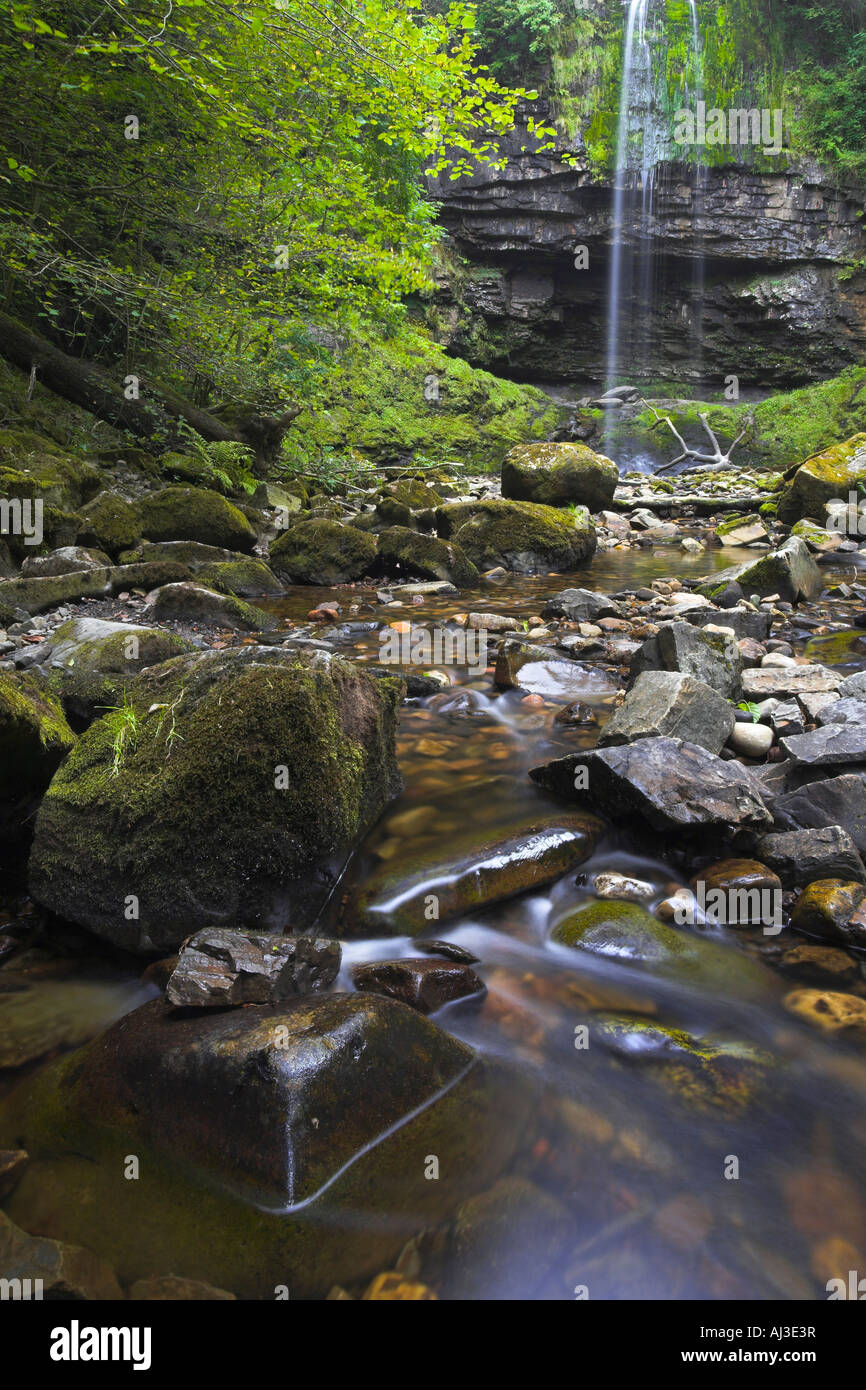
(195, 603)
(557, 474)
(90, 661)
(519, 536)
(669, 703)
(110, 523)
(789, 572)
(279, 1146)
(226, 791)
(69, 559)
(195, 514)
(318, 551)
(826, 477)
(671, 784)
(710, 657)
(34, 740)
(405, 552)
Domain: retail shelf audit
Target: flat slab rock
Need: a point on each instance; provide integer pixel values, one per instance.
(838, 801)
(830, 746)
(218, 967)
(765, 681)
(669, 783)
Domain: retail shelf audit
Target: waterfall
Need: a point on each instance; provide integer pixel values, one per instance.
(698, 208)
(643, 142)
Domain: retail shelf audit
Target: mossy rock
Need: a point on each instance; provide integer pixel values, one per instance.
(195, 514)
(40, 594)
(319, 551)
(193, 554)
(412, 493)
(190, 602)
(110, 523)
(826, 477)
(277, 1142)
(244, 578)
(31, 467)
(626, 933)
(708, 1075)
(34, 739)
(231, 789)
(91, 662)
(70, 559)
(559, 474)
(405, 552)
(519, 536)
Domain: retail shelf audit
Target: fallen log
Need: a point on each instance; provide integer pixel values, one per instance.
(152, 413)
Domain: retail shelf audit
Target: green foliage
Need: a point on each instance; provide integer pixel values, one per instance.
(513, 33)
(272, 185)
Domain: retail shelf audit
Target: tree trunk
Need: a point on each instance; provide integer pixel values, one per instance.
(156, 411)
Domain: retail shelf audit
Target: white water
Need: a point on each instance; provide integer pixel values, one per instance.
(643, 143)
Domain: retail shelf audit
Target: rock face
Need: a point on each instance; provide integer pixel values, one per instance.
(308, 1122)
(826, 477)
(319, 551)
(218, 967)
(773, 242)
(671, 784)
(668, 703)
(557, 474)
(519, 536)
(227, 794)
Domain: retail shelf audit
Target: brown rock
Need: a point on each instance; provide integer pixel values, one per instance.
(422, 984)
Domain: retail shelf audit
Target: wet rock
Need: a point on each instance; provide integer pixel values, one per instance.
(671, 784)
(235, 796)
(802, 856)
(506, 1240)
(580, 606)
(541, 671)
(558, 474)
(425, 985)
(743, 530)
(789, 572)
(426, 589)
(278, 1143)
(519, 536)
(320, 551)
(833, 910)
(449, 949)
(831, 746)
(167, 1288)
(829, 1011)
(396, 900)
(402, 551)
(392, 1287)
(753, 893)
(217, 967)
(821, 965)
(626, 933)
(838, 801)
(611, 885)
(712, 658)
(62, 1271)
(751, 740)
(194, 603)
(668, 703)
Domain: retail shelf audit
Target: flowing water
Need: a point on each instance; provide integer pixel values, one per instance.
(646, 1179)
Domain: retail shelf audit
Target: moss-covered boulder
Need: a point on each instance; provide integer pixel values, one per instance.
(195, 514)
(32, 467)
(34, 740)
(520, 536)
(626, 933)
(826, 477)
(275, 1143)
(110, 523)
(90, 662)
(404, 552)
(789, 572)
(69, 559)
(246, 578)
(319, 551)
(196, 604)
(39, 594)
(557, 474)
(227, 791)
